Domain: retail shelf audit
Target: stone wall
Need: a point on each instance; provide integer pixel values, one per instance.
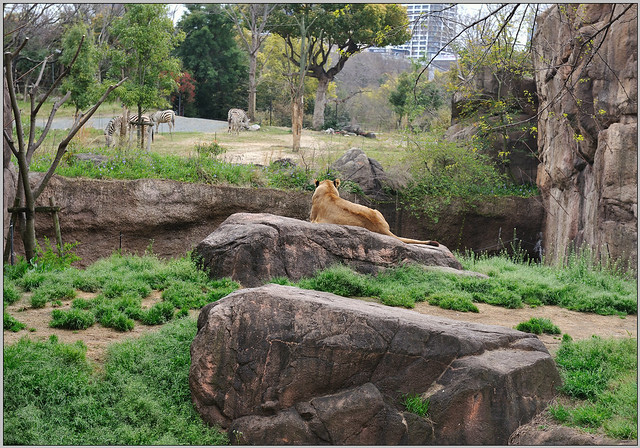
(587, 74)
(173, 217)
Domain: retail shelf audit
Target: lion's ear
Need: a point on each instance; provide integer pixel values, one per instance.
(316, 181)
(336, 183)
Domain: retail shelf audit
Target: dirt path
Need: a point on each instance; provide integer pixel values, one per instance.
(97, 338)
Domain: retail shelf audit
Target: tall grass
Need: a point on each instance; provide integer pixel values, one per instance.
(53, 396)
(511, 283)
(600, 377)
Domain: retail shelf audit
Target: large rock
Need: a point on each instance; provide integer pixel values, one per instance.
(356, 167)
(281, 365)
(254, 248)
(588, 127)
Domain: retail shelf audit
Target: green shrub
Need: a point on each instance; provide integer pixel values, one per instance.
(184, 294)
(17, 270)
(10, 293)
(284, 281)
(340, 280)
(209, 149)
(117, 287)
(32, 279)
(158, 314)
(587, 366)
(51, 291)
(538, 325)
(73, 319)
(81, 304)
(459, 301)
(11, 323)
(48, 259)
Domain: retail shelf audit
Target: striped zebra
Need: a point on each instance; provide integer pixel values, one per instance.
(115, 125)
(164, 116)
(237, 119)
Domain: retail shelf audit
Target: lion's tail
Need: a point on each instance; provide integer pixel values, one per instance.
(410, 241)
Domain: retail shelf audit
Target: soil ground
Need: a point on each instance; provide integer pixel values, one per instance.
(577, 325)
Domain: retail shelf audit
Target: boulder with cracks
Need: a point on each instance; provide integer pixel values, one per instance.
(253, 248)
(281, 365)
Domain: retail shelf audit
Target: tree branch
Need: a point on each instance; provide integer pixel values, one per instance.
(62, 147)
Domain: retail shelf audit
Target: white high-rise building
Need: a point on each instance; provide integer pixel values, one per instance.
(432, 27)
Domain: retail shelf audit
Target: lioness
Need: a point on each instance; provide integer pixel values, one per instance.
(328, 207)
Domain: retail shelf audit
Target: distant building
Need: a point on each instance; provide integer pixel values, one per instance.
(432, 26)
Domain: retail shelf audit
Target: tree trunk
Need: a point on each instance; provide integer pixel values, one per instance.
(140, 128)
(321, 102)
(28, 230)
(297, 115)
(253, 63)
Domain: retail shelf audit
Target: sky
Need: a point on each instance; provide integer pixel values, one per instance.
(469, 8)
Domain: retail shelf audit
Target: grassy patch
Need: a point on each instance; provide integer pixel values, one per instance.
(538, 325)
(73, 319)
(600, 377)
(11, 323)
(121, 281)
(53, 397)
(416, 404)
(510, 284)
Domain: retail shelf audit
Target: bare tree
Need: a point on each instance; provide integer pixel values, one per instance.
(254, 18)
(27, 144)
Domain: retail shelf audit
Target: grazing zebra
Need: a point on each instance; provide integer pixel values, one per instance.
(237, 119)
(115, 124)
(164, 116)
(113, 127)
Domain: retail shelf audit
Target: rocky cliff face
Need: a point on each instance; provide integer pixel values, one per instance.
(585, 59)
(173, 217)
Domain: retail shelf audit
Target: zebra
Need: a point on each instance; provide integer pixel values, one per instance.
(237, 119)
(115, 124)
(164, 116)
(113, 127)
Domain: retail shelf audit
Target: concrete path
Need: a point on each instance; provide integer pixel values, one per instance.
(183, 124)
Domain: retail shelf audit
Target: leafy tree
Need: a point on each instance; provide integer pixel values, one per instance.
(81, 82)
(27, 141)
(273, 91)
(415, 101)
(210, 53)
(349, 29)
(253, 18)
(186, 94)
(145, 38)
(297, 23)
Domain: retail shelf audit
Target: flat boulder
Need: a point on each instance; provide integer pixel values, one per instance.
(253, 248)
(280, 365)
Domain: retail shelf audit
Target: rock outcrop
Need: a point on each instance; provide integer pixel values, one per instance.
(173, 217)
(519, 143)
(356, 167)
(587, 80)
(254, 248)
(281, 365)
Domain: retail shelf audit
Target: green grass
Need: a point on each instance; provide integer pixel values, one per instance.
(538, 325)
(53, 396)
(511, 283)
(121, 282)
(600, 377)
(416, 404)
(11, 323)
